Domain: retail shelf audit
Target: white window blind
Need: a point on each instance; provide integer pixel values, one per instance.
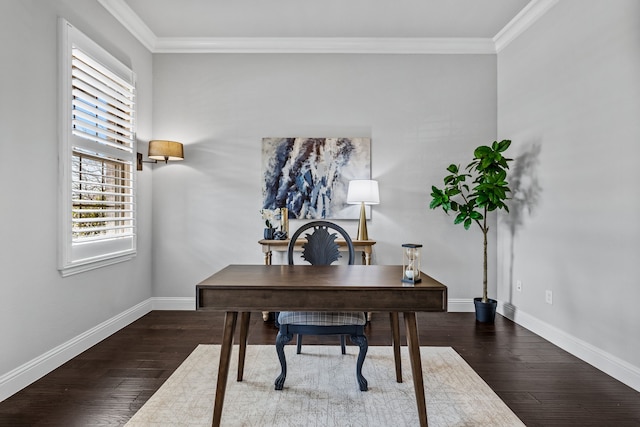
(98, 153)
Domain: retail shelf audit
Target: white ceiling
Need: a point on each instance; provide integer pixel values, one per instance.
(326, 18)
(382, 26)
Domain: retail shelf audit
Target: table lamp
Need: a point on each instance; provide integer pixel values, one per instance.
(365, 192)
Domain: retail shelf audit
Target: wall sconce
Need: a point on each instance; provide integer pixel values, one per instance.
(365, 192)
(162, 150)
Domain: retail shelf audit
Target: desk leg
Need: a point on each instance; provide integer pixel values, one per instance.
(416, 365)
(230, 320)
(395, 333)
(245, 316)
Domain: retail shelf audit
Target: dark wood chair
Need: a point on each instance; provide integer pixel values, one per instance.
(321, 249)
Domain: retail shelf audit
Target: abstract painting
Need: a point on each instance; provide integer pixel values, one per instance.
(310, 176)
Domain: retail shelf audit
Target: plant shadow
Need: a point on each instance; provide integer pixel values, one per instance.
(526, 192)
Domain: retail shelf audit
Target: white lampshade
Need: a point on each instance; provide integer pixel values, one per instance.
(363, 191)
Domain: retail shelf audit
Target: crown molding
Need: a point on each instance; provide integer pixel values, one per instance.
(362, 45)
(132, 22)
(523, 20)
(354, 45)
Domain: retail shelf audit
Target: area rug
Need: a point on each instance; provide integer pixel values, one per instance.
(321, 390)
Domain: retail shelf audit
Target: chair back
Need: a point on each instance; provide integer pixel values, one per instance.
(321, 247)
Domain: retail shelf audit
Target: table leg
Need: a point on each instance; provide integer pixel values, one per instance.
(366, 258)
(230, 320)
(416, 365)
(395, 333)
(267, 261)
(245, 316)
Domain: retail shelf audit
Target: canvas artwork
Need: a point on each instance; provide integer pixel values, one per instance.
(310, 176)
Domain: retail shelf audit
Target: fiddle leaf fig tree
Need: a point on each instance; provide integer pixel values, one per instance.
(480, 188)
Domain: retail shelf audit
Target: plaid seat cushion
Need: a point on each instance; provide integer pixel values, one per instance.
(321, 318)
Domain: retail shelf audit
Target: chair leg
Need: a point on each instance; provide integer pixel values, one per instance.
(361, 341)
(299, 344)
(281, 340)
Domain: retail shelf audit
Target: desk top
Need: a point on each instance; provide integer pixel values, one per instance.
(318, 288)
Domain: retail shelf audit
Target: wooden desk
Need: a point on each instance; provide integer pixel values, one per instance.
(245, 288)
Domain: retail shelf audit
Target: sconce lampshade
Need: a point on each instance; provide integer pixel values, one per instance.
(165, 150)
(365, 192)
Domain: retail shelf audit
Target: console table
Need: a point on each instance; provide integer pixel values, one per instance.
(269, 246)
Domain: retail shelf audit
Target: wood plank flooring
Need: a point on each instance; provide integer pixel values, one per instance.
(107, 384)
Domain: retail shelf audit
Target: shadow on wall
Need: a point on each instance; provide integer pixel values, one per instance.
(526, 192)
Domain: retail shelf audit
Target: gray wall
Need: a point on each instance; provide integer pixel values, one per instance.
(421, 111)
(569, 96)
(567, 92)
(40, 310)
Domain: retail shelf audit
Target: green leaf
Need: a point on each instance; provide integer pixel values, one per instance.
(486, 162)
(503, 145)
(475, 215)
(481, 151)
(461, 178)
(467, 223)
(453, 168)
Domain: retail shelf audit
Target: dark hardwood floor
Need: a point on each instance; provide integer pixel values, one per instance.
(107, 384)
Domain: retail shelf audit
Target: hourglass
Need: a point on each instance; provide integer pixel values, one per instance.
(411, 263)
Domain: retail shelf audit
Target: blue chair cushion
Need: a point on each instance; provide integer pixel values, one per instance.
(321, 318)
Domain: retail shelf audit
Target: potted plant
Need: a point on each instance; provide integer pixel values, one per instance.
(487, 191)
(269, 217)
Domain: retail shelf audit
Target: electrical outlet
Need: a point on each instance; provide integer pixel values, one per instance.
(519, 285)
(548, 297)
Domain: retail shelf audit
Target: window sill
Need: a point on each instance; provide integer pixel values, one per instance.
(70, 270)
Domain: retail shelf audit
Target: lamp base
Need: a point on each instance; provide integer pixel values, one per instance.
(362, 224)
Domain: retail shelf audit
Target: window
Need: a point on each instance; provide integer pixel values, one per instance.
(97, 156)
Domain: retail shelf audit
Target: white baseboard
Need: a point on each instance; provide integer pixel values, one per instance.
(189, 303)
(598, 358)
(17, 379)
(461, 305)
(173, 303)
